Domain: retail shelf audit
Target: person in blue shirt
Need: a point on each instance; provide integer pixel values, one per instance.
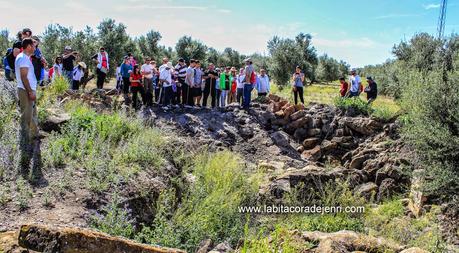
(125, 71)
(6, 66)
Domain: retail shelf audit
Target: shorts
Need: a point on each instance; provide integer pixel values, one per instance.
(196, 91)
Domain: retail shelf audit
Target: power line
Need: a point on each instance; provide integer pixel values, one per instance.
(441, 19)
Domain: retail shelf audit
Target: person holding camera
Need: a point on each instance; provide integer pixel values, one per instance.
(298, 80)
(68, 59)
(101, 60)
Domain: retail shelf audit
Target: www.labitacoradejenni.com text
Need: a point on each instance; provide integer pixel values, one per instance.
(313, 209)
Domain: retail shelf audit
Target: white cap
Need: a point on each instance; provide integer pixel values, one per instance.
(67, 48)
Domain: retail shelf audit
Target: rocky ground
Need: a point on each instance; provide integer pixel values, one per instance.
(309, 146)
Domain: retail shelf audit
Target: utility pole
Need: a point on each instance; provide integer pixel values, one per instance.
(441, 19)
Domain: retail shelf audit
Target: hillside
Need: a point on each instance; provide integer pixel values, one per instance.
(179, 178)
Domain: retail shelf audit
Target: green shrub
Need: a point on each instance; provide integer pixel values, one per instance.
(432, 127)
(280, 240)
(209, 208)
(389, 221)
(355, 103)
(114, 220)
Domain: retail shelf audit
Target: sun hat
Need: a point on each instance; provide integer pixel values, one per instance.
(82, 64)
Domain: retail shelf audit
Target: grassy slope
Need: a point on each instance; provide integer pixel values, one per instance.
(209, 208)
(327, 93)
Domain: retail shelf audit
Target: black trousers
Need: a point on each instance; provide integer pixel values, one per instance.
(299, 91)
(168, 95)
(100, 78)
(215, 94)
(157, 91)
(126, 84)
(75, 85)
(135, 97)
(187, 95)
(239, 95)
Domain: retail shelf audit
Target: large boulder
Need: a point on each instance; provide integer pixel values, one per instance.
(297, 115)
(353, 241)
(367, 190)
(55, 119)
(71, 240)
(310, 142)
(363, 126)
(313, 154)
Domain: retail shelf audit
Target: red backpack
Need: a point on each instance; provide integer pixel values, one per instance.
(50, 72)
(253, 78)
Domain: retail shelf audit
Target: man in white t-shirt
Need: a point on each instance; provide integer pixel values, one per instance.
(355, 83)
(189, 84)
(27, 86)
(147, 73)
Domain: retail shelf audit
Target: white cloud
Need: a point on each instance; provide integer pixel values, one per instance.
(390, 16)
(431, 6)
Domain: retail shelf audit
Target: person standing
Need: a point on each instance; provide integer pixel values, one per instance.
(210, 80)
(57, 67)
(147, 73)
(240, 86)
(298, 85)
(355, 82)
(8, 71)
(344, 87)
(187, 98)
(68, 59)
(197, 88)
(136, 87)
(165, 77)
(27, 86)
(263, 85)
(233, 80)
(249, 81)
(371, 90)
(38, 61)
(17, 47)
(180, 71)
(126, 69)
(103, 66)
(78, 73)
(225, 86)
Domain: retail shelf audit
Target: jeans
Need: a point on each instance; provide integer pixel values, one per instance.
(353, 94)
(298, 91)
(223, 96)
(247, 95)
(100, 79)
(177, 95)
(240, 94)
(69, 75)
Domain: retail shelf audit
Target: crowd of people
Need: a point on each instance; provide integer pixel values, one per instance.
(188, 85)
(185, 84)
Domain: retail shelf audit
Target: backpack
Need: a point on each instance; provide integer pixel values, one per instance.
(253, 78)
(51, 72)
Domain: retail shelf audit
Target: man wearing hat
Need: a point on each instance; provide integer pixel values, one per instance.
(17, 47)
(371, 90)
(68, 58)
(355, 83)
(180, 71)
(77, 75)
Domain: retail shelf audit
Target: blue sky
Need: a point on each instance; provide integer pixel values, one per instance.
(357, 31)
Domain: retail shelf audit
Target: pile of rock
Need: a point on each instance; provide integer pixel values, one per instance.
(363, 150)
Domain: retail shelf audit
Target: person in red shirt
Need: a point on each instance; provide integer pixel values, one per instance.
(344, 87)
(136, 86)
